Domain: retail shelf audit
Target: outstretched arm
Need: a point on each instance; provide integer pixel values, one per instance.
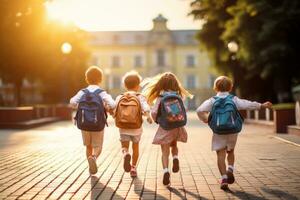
(75, 99)
(267, 104)
(109, 102)
(204, 109)
(145, 108)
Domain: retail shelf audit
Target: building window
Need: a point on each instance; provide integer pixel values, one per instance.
(116, 61)
(116, 82)
(190, 61)
(191, 81)
(139, 39)
(138, 61)
(192, 103)
(116, 39)
(211, 80)
(189, 38)
(95, 60)
(161, 58)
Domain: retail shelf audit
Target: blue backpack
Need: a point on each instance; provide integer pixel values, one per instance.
(224, 117)
(171, 111)
(91, 114)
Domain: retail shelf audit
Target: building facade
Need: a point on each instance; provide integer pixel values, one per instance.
(150, 52)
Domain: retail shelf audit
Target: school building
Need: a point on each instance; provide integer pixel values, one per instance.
(150, 52)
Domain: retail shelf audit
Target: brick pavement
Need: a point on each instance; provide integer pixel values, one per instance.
(49, 163)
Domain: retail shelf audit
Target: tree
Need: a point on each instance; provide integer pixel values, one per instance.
(267, 31)
(19, 26)
(31, 48)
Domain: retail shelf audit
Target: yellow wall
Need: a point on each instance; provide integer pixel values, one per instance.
(175, 59)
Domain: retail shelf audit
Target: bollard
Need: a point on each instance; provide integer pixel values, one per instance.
(297, 113)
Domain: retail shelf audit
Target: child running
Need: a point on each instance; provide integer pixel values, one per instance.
(169, 112)
(92, 103)
(225, 122)
(128, 117)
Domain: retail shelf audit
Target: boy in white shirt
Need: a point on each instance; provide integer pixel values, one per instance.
(128, 115)
(226, 143)
(93, 140)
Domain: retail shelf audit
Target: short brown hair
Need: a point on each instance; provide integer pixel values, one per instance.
(132, 79)
(93, 75)
(223, 84)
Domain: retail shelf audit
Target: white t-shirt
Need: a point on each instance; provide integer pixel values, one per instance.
(107, 99)
(241, 104)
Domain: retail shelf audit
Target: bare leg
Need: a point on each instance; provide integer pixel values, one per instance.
(165, 150)
(230, 157)
(126, 156)
(230, 160)
(135, 154)
(174, 148)
(89, 151)
(221, 154)
(125, 146)
(97, 151)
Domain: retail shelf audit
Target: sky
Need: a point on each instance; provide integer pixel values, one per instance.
(113, 15)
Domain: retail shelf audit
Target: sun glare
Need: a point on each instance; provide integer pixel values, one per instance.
(94, 15)
(59, 11)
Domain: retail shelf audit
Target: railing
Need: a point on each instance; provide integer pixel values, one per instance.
(263, 116)
(279, 118)
(13, 117)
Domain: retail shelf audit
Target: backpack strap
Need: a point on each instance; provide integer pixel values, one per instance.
(230, 96)
(133, 94)
(85, 91)
(98, 91)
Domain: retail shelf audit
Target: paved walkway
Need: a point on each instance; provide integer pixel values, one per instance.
(49, 163)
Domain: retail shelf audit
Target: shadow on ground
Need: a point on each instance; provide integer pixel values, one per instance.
(100, 191)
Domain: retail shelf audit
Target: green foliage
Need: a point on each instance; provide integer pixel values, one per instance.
(30, 48)
(267, 32)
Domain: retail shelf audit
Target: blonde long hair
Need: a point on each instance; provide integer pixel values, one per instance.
(163, 82)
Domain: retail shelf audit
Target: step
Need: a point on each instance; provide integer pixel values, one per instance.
(29, 123)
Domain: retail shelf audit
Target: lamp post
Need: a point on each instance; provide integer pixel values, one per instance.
(107, 72)
(66, 49)
(233, 48)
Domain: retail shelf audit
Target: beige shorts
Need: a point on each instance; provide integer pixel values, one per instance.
(128, 138)
(92, 138)
(227, 142)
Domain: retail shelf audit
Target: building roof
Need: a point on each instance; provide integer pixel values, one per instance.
(160, 18)
(179, 37)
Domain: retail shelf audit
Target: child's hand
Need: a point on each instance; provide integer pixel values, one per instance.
(205, 120)
(111, 112)
(149, 120)
(267, 105)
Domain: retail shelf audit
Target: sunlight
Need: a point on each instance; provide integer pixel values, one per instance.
(103, 15)
(60, 11)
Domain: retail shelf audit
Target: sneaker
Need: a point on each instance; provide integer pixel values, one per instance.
(133, 172)
(166, 179)
(230, 176)
(224, 184)
(175, 167)
(126, 164)
(92, 165)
